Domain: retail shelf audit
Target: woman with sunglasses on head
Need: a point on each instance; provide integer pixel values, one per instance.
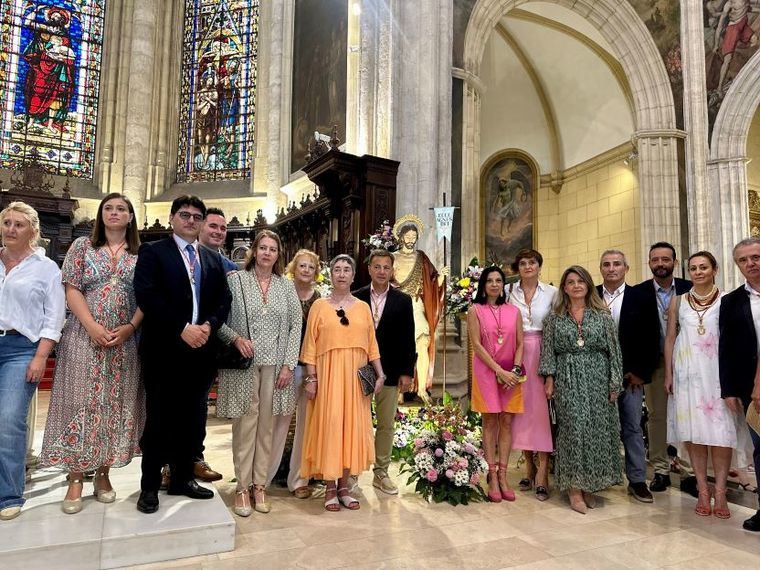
(496, 334)
(264, 324)
(340, 339)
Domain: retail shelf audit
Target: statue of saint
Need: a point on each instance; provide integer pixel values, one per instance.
(416, 276)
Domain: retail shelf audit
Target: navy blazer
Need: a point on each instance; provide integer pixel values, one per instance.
(650, 339)
(395, 334)
(737, 348)
(164, 293)
(632, 329)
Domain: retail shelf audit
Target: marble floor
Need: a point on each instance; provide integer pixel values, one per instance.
(405, 532)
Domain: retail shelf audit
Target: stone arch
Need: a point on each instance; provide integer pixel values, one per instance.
(654, 111)
(727, 164)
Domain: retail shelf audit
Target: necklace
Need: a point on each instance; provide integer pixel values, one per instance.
(580, 341)
(494, 313)
(264, 290)
(529, 303)
(700, 304)
(114, 260)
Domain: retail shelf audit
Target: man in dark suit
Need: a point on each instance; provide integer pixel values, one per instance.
(656, 294)
(394, 327)
(182, 290)
(738, 345)
(624, 304)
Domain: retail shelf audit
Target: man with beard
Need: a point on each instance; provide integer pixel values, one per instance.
(656, 295)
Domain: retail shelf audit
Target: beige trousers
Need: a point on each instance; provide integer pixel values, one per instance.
(657, 424)
(252, 433)
(386, 403)
(281, 428)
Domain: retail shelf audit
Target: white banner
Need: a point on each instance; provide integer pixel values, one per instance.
(444, 221)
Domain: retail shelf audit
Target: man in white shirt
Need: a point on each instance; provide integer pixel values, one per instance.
(393, 316)
(622, 301)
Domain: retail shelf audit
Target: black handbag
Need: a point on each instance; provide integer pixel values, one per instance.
(367, 378)
(228, 356)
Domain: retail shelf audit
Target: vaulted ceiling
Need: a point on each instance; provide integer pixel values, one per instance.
(553, 89)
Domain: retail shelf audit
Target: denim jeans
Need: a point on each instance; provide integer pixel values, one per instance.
(629, 406)
(16, 351)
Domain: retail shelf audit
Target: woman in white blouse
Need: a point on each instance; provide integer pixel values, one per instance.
(531, 430)
(264, 323)
(32, 309)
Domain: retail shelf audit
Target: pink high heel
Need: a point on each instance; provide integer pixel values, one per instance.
(493, 470)
(508, 494)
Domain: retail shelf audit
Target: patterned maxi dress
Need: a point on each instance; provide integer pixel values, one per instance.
(97, 408)
(588, 426)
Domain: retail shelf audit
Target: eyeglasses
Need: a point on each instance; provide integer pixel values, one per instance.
(343, 318)
(187, 215)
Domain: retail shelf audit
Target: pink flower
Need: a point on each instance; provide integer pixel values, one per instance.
(474, 479)
(463, 462)
(439, 452)
(469, 448)
(708, 345)
(418, 442)
(432, 476)
(447, 436)
(449, 473)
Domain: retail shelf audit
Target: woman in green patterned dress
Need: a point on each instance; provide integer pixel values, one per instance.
(581, 362)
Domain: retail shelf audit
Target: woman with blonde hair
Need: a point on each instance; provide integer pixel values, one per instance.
(97, 407)
(302, 269)
(264, 324)
(32, 310)
(582, 365)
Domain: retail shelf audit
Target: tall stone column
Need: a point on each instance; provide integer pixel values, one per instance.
(273, 101)
(472, 239)
(421, 108)
(701, 202)
(658, 189)
(728, 180)
(139, 118)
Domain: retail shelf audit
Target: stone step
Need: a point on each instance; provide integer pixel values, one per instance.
(111, 535)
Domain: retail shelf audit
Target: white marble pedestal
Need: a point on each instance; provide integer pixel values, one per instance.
(110, 536)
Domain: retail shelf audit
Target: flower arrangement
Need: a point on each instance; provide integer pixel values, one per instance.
(383, 238)
(323, 280)
(462, 290)
(444, 458)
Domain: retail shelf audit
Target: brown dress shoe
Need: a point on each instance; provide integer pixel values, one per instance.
(202, 471)
(165, 478)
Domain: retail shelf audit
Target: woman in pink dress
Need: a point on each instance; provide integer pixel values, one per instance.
(495, 329)
(531, 430)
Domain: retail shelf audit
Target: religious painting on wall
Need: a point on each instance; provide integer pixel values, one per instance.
(508, 184)
(732, 36)
(319, 73)
(217, 94)
(50, 57)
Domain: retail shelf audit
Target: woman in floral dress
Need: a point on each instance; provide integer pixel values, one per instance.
(97, 407)
(581, 361)
(697, 415)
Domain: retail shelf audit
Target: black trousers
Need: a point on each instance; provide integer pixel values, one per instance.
(176, 391)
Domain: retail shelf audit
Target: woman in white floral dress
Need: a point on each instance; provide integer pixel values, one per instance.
(697, 416)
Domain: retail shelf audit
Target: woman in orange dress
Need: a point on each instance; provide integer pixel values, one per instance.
(340, 339)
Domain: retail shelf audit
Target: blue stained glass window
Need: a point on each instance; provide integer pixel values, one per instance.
(50, 57)
(217, 94)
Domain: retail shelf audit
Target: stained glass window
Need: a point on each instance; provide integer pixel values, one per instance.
(217, 99)
(50, 54)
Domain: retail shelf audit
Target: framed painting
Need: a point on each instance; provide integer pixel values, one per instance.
(508, 184)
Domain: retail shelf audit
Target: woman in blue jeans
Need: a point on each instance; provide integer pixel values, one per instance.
(32, 309)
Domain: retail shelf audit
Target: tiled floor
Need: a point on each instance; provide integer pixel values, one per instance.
(405, 532)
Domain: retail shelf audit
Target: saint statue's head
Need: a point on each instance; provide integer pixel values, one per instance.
(408, 235)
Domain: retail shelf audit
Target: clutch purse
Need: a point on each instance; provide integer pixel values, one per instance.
(753, 418)
(367, 379)
(228, 356)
